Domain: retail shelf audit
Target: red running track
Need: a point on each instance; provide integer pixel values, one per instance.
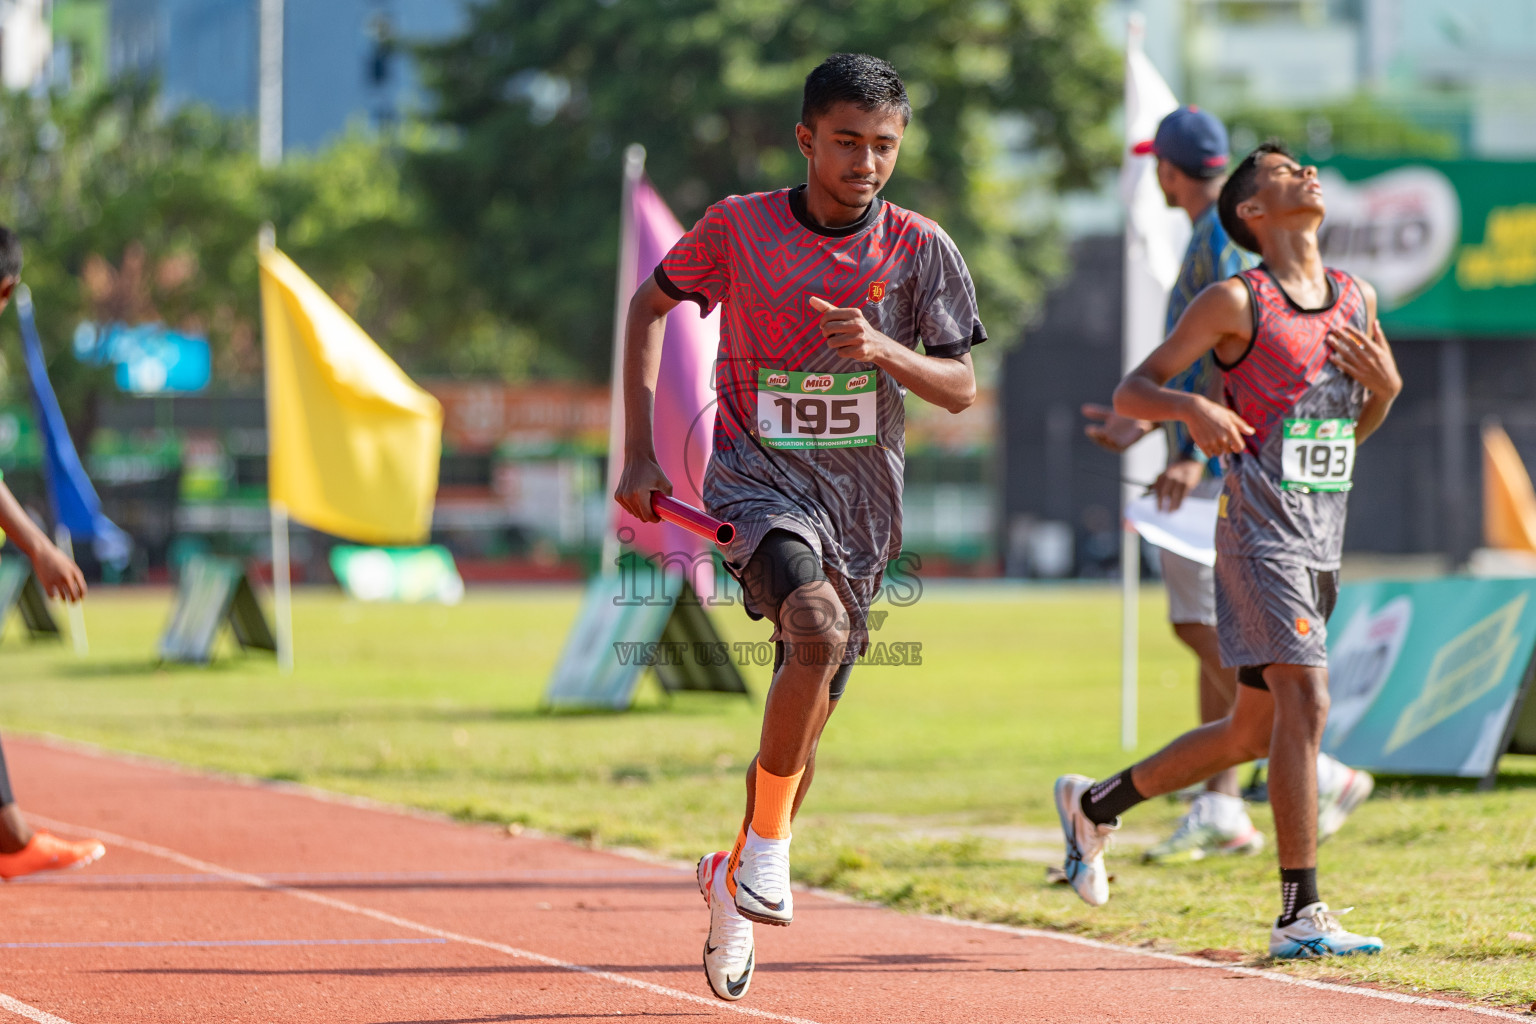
(226, 901)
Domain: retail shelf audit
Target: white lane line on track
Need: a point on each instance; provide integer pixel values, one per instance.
(364, 877)
(1252, 972)
(258, 882)
(21, 1009)
(221, 943)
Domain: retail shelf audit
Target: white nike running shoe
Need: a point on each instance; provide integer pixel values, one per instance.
(1086, 840)
(1317, 932)
(762, 881)
(729, 955)
(1351, 787)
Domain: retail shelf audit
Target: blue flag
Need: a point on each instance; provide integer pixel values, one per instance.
(75, 504)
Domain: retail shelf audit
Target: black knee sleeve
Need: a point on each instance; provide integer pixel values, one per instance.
(781, 565)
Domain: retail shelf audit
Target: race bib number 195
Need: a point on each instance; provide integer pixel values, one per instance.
(816, 410)
(1317, 455)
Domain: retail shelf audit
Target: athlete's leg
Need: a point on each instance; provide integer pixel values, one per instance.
(814, 626)
(805, 778)
(15, 833)
(1241, 736)
(1218, 690)
(1300, 695)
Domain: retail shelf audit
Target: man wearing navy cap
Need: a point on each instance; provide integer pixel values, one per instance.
(1191, 151)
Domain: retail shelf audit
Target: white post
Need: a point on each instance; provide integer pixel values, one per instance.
(1130, 586)
(75, 609)
(624, 288)
(269, 88)
(282, 589)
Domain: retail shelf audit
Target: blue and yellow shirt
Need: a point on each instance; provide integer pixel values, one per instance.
(1211, 257)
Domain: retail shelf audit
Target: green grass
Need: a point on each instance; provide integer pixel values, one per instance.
(437, 708)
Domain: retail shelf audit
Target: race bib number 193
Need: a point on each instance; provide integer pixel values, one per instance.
(1317, 455)
(816, 410)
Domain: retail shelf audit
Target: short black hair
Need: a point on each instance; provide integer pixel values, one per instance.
(869, 83)
(10, 255)
(1239, 188)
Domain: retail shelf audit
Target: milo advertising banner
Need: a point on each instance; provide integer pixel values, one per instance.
(1432, 678)
(1449, 245)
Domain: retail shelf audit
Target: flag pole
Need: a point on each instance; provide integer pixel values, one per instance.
(269, 86)
(624, 288)
(1130, 580)
(282, 588)
(75, 609)
(1130, 541)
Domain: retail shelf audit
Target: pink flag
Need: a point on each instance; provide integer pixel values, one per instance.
(685, 397)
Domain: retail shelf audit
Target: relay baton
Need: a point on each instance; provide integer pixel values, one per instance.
(691, 519)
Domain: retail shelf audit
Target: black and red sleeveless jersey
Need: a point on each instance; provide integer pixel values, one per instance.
(1286, 374)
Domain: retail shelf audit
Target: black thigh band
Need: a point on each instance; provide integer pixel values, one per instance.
(1252, 676)
(839, 678)
(781, 565)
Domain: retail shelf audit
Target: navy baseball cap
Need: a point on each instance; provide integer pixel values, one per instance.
(1192, 140)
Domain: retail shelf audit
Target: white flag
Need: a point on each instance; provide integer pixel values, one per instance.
(1155, 233)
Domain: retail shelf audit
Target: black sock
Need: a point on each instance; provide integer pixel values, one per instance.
(1298, 889)
(1108, 798)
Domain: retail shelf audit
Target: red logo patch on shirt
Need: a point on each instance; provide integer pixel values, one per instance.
(1303, 627)
(876, 291)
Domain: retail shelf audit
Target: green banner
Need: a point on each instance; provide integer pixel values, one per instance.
(1429, 678)
(398, 574)
(1450, 245)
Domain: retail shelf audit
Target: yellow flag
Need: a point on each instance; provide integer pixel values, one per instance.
(353, 443)
(1509, 503)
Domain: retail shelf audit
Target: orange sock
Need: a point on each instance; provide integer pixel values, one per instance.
(774, 801)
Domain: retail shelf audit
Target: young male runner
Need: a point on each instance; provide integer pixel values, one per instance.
(1191, 150)
(827, 291)
(1308, 375)
(24, 851)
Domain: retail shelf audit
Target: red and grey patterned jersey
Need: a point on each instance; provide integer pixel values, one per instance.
(763, 257)
(1286, 375)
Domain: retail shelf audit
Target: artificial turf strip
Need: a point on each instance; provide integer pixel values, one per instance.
(437, 707)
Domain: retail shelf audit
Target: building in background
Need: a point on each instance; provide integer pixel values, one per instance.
(345, 61)
(1465, 67)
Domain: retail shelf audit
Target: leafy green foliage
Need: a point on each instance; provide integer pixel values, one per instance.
(130, 214)
(545, 97)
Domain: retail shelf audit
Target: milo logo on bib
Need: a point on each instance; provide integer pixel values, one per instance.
(817, 410)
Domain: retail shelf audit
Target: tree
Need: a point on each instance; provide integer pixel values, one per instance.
(127, 213)
(543, 98)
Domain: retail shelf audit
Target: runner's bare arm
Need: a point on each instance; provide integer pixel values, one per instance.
(644, 328)
(59, 575)
(949, 383)
(1369, 361)
(1220, 319)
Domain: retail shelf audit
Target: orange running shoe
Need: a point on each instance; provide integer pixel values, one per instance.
(47, 852)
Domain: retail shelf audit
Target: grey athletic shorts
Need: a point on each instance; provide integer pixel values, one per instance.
(1191, 590)
(1270, 613)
